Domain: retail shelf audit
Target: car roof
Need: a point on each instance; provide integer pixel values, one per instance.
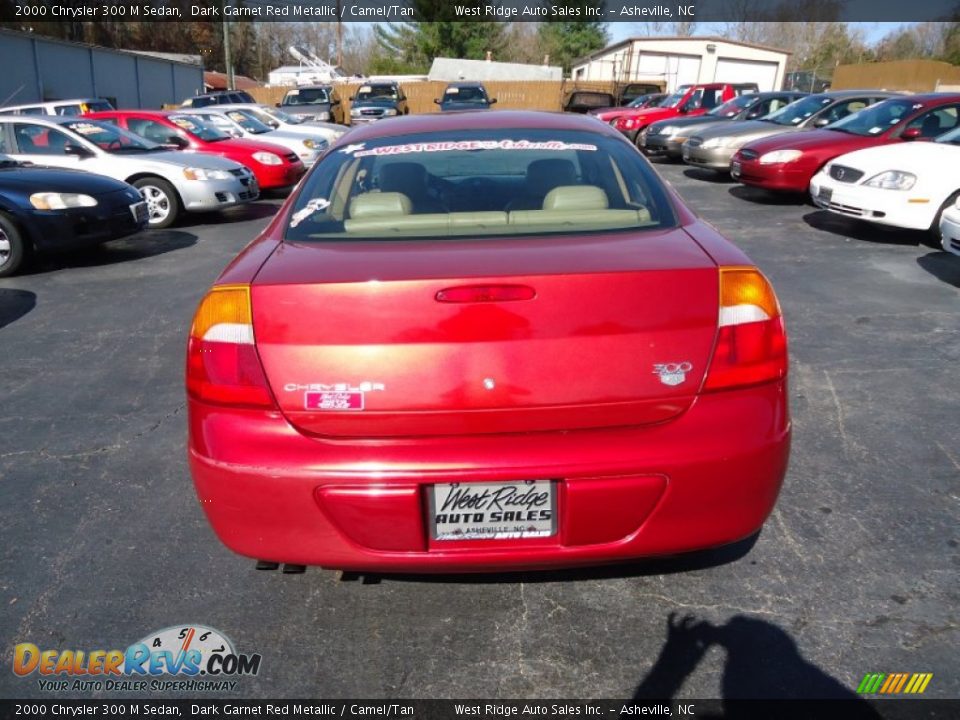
(465, 83)
(499, 120)
(43, 119)
(310, 87)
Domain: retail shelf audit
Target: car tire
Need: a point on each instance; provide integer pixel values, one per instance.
(933, 232)
(13, 250)
(163, 203)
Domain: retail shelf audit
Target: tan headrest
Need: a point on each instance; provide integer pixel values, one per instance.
(576, 197)
(378, 204)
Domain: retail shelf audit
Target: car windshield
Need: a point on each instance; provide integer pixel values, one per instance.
(733, 107)
(248, 122)
(465, 95)
(377, 92)
(196, 127)
(110, 138)
(877, 118)
(307, 96)
(470, 184)
(672, 100)
(277, 115)
(796, 112)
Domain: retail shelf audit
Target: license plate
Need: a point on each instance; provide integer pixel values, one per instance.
(825, 194)
(493, 511)
(686, 154)
(139, 211)
(735, 169)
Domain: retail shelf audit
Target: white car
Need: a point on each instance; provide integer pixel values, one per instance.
(240, 122)
(279, 120)
(169, 181)
(906, 185)
(950, 229)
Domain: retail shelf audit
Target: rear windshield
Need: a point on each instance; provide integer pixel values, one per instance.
(196, 127)
(248, 122)
(477, 184)
(733, 107)
(377, 92)
(465, 95)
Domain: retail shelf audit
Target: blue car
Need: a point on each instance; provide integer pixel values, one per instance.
(48, 210)
(465, 96)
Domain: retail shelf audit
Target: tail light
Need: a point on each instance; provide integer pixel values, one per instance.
(222, 362)
(752, 342)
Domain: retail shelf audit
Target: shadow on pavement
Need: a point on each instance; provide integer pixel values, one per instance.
(657, 566)
(710, 176)
(135, 247)
(943, 266)
(865, 231)
(764, 197)
(14, 304)
(762, 662)
(239, 213)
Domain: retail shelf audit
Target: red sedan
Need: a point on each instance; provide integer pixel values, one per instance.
(486, 341)
(788, 162)
(273, 165)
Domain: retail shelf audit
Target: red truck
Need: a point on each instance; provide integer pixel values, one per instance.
(688, 100)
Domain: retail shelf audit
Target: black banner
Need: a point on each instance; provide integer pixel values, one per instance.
(491, 709)
(613, 11)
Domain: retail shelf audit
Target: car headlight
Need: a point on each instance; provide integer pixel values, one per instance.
(324, 116)
(355, 112)
(665, 130)
(309, 144)
(267, 158)
(61, 201)
(780, 156)
(389, 111)
(193, 173)
(711, 143)
(892, 180)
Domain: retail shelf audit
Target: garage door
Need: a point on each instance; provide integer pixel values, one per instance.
(764, 74)
(676, 70)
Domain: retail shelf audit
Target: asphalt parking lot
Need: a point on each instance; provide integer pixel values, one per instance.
(856, 571)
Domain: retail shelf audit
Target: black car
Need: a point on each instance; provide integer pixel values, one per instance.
(377, 100)
(219, 97)
(49, 209)
(583, 101)
(465, 96)
(314, 103)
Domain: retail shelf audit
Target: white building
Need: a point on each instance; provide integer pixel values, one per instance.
(453, 69)
(676, 61)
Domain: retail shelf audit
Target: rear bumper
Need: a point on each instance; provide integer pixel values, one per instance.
(706, 479)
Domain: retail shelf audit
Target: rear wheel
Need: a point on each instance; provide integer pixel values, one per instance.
(163, 203)
(12, 247)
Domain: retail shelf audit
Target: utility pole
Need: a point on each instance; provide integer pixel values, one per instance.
(339, 35)
(227, 60)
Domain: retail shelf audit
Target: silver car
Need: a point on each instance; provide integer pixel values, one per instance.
(238, 121)
(170, 182)
(715, 146)
(279, 120)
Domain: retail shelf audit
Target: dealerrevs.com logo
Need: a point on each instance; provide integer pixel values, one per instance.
(180, 658)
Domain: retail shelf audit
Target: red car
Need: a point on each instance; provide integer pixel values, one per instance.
(610, 114)
(788, 162)
(486, 341)
(688, 100)
(273, 165)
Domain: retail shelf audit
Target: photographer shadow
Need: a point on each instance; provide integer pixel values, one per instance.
(763, 662)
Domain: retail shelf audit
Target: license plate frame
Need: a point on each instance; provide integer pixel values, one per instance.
(135, 210)
(735, 168)
(486, 499)
(825, 194)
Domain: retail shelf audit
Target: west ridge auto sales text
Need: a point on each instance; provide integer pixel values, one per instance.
(506, 12)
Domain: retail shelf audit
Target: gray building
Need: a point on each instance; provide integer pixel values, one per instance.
(37, 69)
(452, 69)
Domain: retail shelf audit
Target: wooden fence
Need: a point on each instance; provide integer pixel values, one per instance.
(909, 75)
(510, 95)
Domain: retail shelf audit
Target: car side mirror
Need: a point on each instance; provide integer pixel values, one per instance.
(76, 151)
(436, 101)
(910, 134)
(352, 98)
(493, 101)
(334, 102)
(177, 141)
(821, 122)
(278, 105)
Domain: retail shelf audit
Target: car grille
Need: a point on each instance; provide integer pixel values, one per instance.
(846, 209)
(239, 172)
(371, 112)
(695, 142)
(749, 154)
(291, 157)
(845, 174)
(246, 195)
